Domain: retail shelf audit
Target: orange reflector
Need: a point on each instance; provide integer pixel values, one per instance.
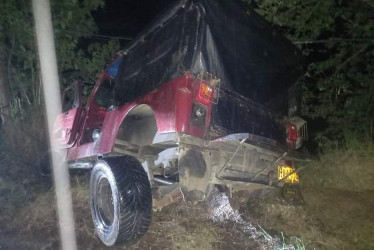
(287, 174)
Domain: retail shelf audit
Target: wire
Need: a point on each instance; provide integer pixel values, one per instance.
(96, 35)
(335, 40)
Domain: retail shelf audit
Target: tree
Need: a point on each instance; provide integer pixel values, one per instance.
(19, 70)
(20, 81)
(337, 38)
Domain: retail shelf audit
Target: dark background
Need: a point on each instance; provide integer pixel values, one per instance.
(127, 18)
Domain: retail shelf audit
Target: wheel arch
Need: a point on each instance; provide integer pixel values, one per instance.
(139, 125)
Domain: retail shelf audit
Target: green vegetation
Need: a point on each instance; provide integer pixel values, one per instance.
(21, 102)
(337, 38)
(293, 243)
(73, 25)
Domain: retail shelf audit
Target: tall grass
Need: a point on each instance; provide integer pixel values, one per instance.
(25, 136)
(349, 166)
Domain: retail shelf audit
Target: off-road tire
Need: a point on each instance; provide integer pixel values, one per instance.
(121, 199)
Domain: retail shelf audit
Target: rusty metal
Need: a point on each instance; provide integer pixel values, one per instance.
(232, 157)
(270, 165)
(171, 197)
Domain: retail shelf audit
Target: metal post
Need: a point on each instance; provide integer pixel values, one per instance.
(51, 91)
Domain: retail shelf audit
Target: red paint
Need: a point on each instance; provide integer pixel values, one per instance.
(171, 104)
(66, 127)
(292, 132)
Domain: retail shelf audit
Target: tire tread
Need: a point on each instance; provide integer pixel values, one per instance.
(135, 208)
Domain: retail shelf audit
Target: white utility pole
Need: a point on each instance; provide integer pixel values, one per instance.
(51, 91)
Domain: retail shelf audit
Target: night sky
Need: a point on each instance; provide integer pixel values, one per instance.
(126, 18)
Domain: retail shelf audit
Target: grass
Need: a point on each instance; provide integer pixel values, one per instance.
(334, 217)
(292, 243)
(25, 137)
(338, 190)
(179, 226)
(351, 169)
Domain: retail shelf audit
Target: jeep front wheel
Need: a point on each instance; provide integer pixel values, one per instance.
(121, 199)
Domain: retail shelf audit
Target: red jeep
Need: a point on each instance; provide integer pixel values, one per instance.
(157, 126)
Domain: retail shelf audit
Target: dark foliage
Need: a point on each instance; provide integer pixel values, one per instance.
(337, 38)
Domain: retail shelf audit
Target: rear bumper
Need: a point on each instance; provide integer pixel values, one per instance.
(238, 159)
(234, 160)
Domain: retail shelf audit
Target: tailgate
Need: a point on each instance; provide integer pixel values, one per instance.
(234, 113)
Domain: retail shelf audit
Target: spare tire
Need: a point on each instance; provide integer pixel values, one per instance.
(121, 199)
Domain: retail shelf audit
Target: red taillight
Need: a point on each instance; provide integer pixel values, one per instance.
(296, 129)
(205, 93)
(292, 132)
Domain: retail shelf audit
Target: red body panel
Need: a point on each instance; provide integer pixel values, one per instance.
(66, 127)
(171, 104)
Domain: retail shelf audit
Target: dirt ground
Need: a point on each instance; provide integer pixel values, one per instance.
(330, 219)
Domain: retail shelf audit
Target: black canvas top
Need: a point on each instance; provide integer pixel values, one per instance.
(221, 37)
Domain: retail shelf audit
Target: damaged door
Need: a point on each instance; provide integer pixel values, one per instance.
(67, 124)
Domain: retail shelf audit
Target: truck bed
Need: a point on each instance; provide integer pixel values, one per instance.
(234, 113)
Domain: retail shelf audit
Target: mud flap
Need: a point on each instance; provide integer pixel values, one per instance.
(194, 173)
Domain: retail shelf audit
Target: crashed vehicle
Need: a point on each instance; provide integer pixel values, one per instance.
(199, 99)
